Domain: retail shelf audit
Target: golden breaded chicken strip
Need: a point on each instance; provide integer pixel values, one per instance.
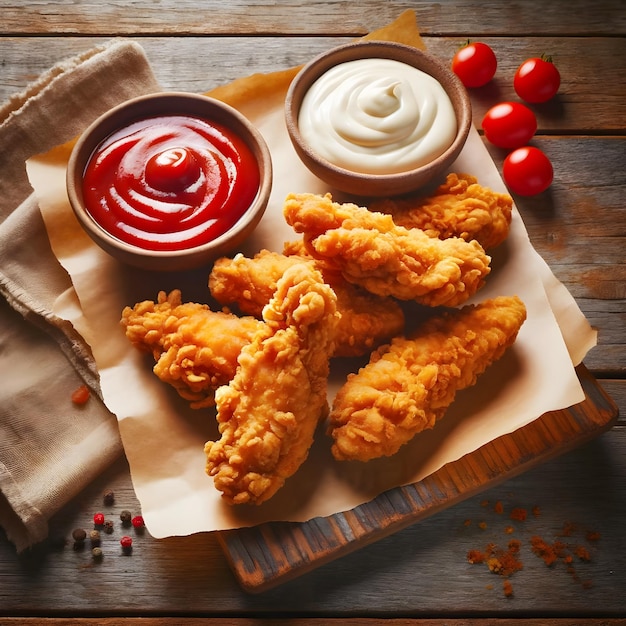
(195, 348)
(458, 208)
(268, 413)
(370, 250)
(366, 320)
(408, 385)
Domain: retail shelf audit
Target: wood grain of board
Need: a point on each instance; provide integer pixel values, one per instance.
(586, 103)
(305, 17)
(266, 555)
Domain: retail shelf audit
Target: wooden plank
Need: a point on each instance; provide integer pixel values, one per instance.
(264, 556)
(307, 621)
(88, 17)
(586, 102)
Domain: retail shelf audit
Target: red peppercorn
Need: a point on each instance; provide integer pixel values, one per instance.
(81, 395)
(127, 544)
(138, 522)
(98, 519)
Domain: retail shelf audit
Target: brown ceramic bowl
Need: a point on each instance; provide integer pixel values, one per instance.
(364, 184)
(169, 103)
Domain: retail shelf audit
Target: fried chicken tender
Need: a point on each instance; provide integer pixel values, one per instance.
(366, 320)
(409, 384)
(370, 250)
(195, 348)
(268, 413)
(460, 207)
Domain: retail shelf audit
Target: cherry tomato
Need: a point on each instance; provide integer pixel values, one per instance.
(509, 125)
(475, 64)
(527, 171)
(537, 80)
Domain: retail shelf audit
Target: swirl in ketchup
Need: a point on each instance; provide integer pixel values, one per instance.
(170, 182)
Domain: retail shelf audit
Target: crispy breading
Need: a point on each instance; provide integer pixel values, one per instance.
(366, 320)
(370, 250)
(460, 207)
(268, 413)
(195, 348)
(409, 384)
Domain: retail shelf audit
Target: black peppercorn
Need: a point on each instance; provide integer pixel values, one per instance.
(126, 517)
(108, 498)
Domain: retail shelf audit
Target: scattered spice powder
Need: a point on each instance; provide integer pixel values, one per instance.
(475, 556)
(582, 553)
(543, 550)
(569, 529)
(507, 587)
(518, 514)
(506, 561)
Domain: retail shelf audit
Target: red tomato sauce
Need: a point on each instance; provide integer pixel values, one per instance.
(170, 182)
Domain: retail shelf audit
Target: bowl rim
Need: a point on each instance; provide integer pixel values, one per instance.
(131, 110)
(373, 48)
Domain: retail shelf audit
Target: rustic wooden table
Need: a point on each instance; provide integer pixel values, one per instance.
(420, 574)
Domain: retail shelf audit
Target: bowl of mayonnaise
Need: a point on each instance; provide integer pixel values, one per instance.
(377, 118)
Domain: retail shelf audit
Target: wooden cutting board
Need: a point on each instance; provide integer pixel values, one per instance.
(266, 555)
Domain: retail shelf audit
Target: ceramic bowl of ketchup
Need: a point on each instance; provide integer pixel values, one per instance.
(377, 118)
(169, 181)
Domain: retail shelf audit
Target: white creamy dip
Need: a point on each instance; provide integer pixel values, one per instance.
(377, 116)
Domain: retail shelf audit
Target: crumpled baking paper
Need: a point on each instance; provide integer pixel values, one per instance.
(163, 439)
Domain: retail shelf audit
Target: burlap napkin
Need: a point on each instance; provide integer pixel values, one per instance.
(49, 448)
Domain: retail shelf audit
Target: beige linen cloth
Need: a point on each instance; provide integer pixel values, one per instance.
(49, 448)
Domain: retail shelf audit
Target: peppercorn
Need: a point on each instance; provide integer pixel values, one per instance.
(94, 538)
(126, 517)
(79, 534)
(127, 544)
(97, 554)
(98, 519)
(138, 523)
(108, 498)
(80, 395)
(108, 527)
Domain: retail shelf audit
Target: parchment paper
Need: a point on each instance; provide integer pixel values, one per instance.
(163, 439)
